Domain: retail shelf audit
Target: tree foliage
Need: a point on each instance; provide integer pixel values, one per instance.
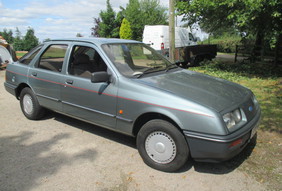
(96, 28)
(79, 35)
(108, 27)
(30, 41)
(153, 12)
(133, 14)
(137, 12)
(144, 12)
(125, 30)
(20, 42)
(7, 35)
(260, 18)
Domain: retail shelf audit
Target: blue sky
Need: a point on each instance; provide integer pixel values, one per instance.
(54, 18)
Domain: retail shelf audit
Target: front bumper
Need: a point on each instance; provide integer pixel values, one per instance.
(210, 148)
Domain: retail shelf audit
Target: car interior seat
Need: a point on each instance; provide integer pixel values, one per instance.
(81, 66)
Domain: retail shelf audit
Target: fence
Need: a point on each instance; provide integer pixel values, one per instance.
(260, 53)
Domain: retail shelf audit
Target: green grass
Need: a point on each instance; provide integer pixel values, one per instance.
(20, 54)
(265, 81)
(224, 53)
(55, 52)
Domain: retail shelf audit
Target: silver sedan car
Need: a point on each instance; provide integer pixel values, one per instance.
(128, 87)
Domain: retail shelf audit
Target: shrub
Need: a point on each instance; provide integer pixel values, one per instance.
(225, 43)
(125, 30)
(262, 70)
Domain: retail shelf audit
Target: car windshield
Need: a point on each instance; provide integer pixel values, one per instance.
(135, 59)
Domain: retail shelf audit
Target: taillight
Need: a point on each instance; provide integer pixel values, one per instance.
(162, 46)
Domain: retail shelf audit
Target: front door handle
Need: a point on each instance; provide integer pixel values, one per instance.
(34, 73)
(69, 81)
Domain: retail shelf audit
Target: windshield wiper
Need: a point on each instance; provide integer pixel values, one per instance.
(147, 71)
(171, 66)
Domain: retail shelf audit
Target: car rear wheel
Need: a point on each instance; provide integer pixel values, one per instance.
(162, 146)
(30, 106)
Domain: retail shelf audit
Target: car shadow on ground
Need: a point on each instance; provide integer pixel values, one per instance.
(26, 163)
(94, 129)
(201, 167)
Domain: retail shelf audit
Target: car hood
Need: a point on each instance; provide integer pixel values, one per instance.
(209, 91)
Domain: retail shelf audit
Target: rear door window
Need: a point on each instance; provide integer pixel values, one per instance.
(53, 58)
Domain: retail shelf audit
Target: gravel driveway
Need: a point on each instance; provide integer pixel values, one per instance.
(60, 153)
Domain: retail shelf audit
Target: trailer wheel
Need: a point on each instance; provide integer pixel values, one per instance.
(197, 60)
(184, 65)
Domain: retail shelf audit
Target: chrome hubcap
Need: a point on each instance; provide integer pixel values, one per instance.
(27, 104)
(160, 147)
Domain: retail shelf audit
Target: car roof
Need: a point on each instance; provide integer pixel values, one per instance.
(96, 40)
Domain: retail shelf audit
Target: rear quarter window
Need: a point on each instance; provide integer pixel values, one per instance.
(27, 58)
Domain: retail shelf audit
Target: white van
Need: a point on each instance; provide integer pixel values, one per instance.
(157, 36)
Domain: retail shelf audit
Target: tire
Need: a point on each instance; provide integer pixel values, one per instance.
(30, 106)
(162, 146)
(197, 60)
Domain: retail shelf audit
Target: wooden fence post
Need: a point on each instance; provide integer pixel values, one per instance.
(236, 52)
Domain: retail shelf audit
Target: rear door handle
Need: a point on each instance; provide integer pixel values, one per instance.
(34, 73)
(69, 81)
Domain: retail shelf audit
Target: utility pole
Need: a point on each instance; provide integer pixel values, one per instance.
(171, 30)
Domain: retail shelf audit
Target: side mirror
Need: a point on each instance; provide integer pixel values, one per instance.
(98, 77)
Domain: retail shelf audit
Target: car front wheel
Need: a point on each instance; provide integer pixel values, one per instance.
(162, 146)
(29, 105)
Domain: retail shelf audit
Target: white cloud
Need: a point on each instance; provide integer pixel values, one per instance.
(7, 21)
(55, 18)
(66, 18)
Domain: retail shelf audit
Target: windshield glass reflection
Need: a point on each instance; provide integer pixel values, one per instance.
(135, 59)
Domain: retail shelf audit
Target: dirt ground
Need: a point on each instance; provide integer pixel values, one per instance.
(60, 153)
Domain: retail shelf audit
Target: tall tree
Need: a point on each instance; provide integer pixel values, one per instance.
(260, 18)
(18, 41)
(153, 12)
(119, 18)
(30, 40)
(7, 35)
(125, 30)
(133, 14)
(96, 28)
(18, 33)
(79, 35)
(144, 12)
(108, 26)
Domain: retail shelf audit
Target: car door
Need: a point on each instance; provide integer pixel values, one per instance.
(45, 77)
(93, 102)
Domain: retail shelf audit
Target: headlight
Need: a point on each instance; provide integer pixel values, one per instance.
(231, 119)
(255, 101)
(237, 115)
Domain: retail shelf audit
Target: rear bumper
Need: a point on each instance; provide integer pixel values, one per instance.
(10, 88)
(220, 148)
